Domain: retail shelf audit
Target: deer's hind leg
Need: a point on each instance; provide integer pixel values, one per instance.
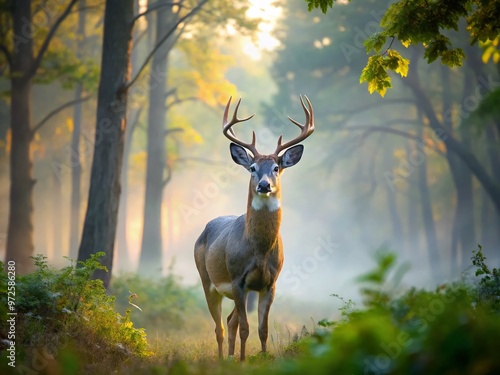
(214, 301)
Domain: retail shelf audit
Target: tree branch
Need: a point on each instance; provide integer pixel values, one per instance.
(56, 111)
(179, 101)
(369, 129)
(49, 37)
(153, 8)
(158, 45)
(377, 104)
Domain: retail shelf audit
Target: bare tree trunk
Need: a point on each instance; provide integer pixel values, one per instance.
(123, 256)
(428, 218)
(412, 237)
(76, 171)
(397, 228)
(102, 211)
(56, 210)
(490, 219)
(20, 227)
(463, 234)
(152, 239)
(122, 244)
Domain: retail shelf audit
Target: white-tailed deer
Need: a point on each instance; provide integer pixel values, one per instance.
(235, 254)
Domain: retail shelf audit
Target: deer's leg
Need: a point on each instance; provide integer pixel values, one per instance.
(266, 298)
(214, 301)
(241, 310)
(232, 326)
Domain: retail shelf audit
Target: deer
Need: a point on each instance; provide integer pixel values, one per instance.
(238, 254)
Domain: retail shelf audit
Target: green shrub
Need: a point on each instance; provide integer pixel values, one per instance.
(68, 309)
(451, 330)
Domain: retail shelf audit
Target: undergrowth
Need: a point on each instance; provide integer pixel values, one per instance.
(68, 311)
(452, 329)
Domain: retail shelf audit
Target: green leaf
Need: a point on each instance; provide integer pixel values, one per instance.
(397, 63)
(375, 74)
(322, 4)
(375, 41)
(453, 57)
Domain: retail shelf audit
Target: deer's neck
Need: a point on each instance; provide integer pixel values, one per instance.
(263, 221)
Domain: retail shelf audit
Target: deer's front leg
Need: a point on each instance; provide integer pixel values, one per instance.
(266, 298)
(240, 297)
(232, 325)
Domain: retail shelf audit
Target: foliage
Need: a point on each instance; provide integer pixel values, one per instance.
(489, 105)
(488, 290)
(322, 4)
(375, 72)
(449, 330)
(60, 62)
(452, 329)
(426, 23)
(66, 308)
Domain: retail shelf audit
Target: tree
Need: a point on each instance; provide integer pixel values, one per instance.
(76, 171)
(157, 175)
(427, 23)
(201, 79)
(23, 64)
(102, 210)
(328, 69)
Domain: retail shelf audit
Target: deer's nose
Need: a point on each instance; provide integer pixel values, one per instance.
(264, 187)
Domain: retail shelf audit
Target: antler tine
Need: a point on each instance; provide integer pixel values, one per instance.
(305, 130)
(229, 132)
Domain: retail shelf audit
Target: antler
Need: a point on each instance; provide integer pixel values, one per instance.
(229, 132)
(305, 130)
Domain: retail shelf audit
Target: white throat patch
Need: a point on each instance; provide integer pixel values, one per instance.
(261, 201)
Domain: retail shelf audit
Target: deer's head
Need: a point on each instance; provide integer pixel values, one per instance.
(266, 170)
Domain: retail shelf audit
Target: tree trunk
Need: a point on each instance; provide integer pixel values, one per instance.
(490, 233)
(428, 218)
(463, 234)
(122, 245)
(397, 228)
(123, 257)
(152, 239)
(451, 143)
(102, 211)
(76, 171)
(412, 235)
(57, 223)
(20, 227)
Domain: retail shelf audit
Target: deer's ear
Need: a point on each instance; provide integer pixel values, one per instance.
(240, 155)
(291, 156)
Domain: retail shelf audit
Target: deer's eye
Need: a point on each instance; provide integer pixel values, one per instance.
(252, 169)
(276, 169)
